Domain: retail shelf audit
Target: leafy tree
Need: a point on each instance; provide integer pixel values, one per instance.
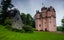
(62, 24)
(59, 28)
(23, 17)
(5, 5)
(8, 21)
(30, 20)
(27, 19)
(33, 23)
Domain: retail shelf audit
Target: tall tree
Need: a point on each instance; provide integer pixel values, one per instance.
(28, 19)
(23, 17)
(5, 5)
(62, 24)
(0, 14)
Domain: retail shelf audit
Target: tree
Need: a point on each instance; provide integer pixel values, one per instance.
(23, 17)
(0, 14)
(62, 24)
(5, 5)
(30, 20)
(27, 19)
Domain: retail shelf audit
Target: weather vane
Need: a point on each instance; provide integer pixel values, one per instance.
(43, 4)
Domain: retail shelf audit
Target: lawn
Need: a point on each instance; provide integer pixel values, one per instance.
(9, 35)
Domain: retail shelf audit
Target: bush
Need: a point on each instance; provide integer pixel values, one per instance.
(59, 28)
(27, 28)
(8, 27)
(8, 21)
(22, 31)
(62, 29)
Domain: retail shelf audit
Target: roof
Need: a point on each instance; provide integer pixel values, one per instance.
(43, 8)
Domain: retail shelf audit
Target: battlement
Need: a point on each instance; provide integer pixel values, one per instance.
(48, 9)
(46, 12)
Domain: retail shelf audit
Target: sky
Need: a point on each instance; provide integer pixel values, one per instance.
(30, 6)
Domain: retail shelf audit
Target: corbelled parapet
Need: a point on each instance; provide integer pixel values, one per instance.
(46, 19)
(37, 15)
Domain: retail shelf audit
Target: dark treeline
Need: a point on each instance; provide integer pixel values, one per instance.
(5, 19)
(61, 28)
(27, 19)
(5, 5)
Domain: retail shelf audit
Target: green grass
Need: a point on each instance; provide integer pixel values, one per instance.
(9, 35)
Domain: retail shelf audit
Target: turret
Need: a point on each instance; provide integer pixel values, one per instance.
(37, 15)
(44, 11)
(51, 19)
(51, 12)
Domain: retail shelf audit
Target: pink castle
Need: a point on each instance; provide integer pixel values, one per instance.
(46, 19)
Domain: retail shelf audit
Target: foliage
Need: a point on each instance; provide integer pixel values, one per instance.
(8, 27)
(22, 31)
(8, 21)
(27, 19)
(27, 28)
(23, 17)
(5, 5)
(59, 28)
(62, 24)
(0, 14)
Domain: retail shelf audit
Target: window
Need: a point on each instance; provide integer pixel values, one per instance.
(50, 21)
(39, 25)
(54, 26)
(45, 22)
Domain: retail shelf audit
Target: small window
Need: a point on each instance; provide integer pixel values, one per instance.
(45, 22)
(39, 25)
(54, 25)
(50, 21)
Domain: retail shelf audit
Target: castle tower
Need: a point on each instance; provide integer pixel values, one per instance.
(38, 23)
(44, 18)
(51, 19)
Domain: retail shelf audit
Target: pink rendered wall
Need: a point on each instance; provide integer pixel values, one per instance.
(37, 15)
(51, 22)
(41, 23)
(44, 24)
(38, 24)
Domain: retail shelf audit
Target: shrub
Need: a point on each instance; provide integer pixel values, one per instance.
(27, 28)
(62, 29)
(8, 27)
(22, 31)
(8, 21)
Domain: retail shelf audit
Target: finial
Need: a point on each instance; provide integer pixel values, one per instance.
(43, 4)
(51, 7)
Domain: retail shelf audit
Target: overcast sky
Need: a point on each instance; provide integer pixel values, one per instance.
(30, 6)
